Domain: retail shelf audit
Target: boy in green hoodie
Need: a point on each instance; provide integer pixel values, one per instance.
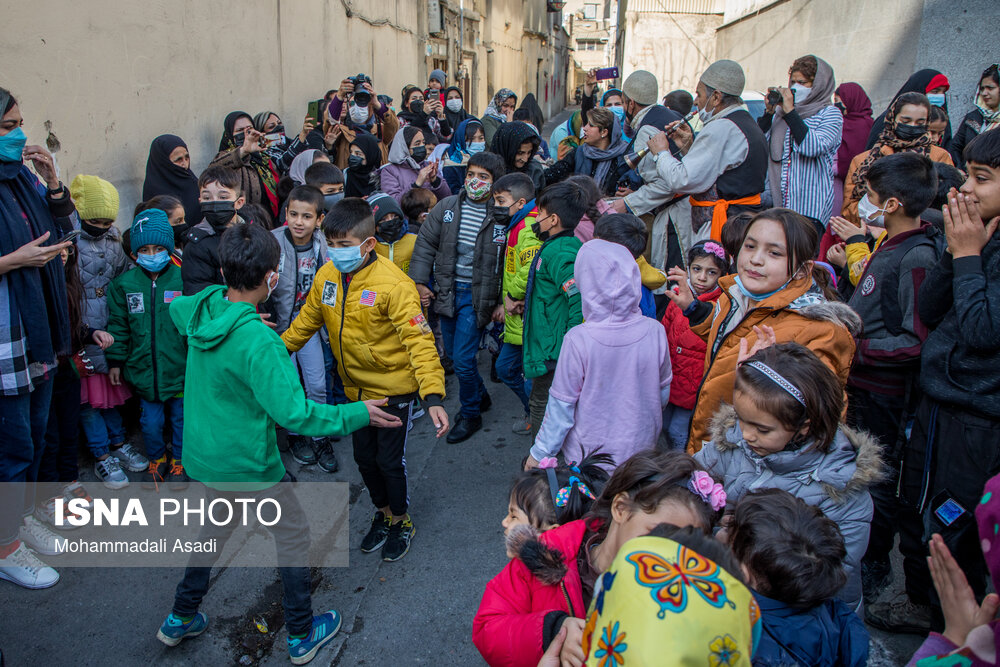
(239, 383)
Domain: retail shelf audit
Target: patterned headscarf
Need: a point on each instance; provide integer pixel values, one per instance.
(493, 109)
(660, 598)
(921, 145)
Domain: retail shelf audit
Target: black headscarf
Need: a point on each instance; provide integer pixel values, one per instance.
(508, 138)
(455, 118)
(535, 114)
(163, 177)
(917, 83)
(359, 181)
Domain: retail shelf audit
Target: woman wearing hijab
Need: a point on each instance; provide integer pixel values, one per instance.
(241, 149)
(409, 167)
(985, 116)
(516, 143)
(566, 137)
(500, 110)
(432, 119)
(929, 82)
(361, 178)
(454, 107)
(467, 140)
(600, 156)
(168, 172)
(804, 134)
(353, 113)
(281, 152)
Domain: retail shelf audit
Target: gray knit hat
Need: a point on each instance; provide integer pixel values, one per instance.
(725, 76)
(641, 87)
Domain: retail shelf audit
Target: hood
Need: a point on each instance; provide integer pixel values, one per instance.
(853, 463)
(207, 318)
(399, 152)
(508, 138)
(803, 296)
(816, 634)
(459, 147)
(608, 279)
(545, 555)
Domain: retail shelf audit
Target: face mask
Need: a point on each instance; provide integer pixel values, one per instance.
(354, 161)
(910, 132)
(843, 109)
(12, 145)
(501, 215)
(619, 113)
(92, 230)
(758, 296)
(937, 99)
(218, 213)
(800, 92)
(477, 147)
(419, 153)
(358, 114)
(417, 106)
(155, 263)
(390, 231)
(330, 200)
(871, 213)
(536, 229)
(454, 104)
(271, 284)
(705, 115)
(477, 188)
(179, 232)
(346, 259)
(239, 139)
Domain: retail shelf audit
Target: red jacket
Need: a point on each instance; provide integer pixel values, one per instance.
(687, 353)
(508, 627)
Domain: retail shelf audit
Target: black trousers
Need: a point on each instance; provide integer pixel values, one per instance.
(381, 457)
(60, 462)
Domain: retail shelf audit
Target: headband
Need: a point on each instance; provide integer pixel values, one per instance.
(777, 379)
(715, 249)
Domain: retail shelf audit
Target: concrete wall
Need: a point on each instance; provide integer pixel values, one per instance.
(676, 47)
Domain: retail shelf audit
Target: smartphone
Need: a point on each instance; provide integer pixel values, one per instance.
(313, 110)
(607, 73)
(71, 236)
(274, 137)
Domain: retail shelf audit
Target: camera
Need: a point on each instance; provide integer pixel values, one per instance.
(774, 98)
(361, 97)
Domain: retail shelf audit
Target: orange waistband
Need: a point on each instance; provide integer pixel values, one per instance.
(721, 212)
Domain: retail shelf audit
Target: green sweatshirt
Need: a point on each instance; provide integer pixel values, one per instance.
(239, 383)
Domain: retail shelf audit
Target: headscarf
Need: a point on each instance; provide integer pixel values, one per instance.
(458, 150)
(259, 161)
(819, 97)
(508, 138)
(990, 118)
(274, 151)
(660, 598)
(163, 177)
(399, 151)
(535, 114)
(920, 145)
(586, 154)
(493, 108)
(609, 93)
(302, 161)
(359, 181)
(455, 117)
(857, 124)
(572, 137)
(920, 82)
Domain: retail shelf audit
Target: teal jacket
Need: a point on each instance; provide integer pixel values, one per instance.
(147, 345)
(240, 382)
(551, 304)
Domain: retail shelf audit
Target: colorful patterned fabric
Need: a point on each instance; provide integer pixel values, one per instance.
(660, 598)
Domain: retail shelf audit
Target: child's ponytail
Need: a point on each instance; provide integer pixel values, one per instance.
(554, 494)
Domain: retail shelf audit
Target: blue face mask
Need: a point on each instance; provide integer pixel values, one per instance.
(346, 259)
(12, 145)
(153, 263)
(755, 296)
(937, 99)
(619, 113)
(476, 147)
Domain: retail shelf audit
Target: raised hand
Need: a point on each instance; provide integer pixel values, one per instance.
(765, 338)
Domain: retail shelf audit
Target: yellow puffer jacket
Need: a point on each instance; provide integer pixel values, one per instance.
(400, 252)
(383, 344)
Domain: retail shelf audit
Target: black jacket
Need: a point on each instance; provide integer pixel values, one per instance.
(201, 266)
(971, 127)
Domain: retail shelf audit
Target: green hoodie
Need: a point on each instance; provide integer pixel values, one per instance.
(239, 382)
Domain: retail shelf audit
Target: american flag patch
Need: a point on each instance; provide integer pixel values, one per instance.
(169, 296)
(368, 297)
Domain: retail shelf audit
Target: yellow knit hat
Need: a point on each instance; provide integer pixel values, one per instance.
(95, 198)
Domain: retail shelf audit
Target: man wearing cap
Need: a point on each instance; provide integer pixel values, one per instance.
(724, 168)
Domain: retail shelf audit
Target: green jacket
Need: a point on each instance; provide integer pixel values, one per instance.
(240, 382)
(147, 345)
(552, 305)
(516, 269)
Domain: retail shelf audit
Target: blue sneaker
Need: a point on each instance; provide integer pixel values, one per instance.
(325, 627)
(174, 629)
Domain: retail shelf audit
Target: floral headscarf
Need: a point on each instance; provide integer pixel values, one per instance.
(921, 145)
(493, 109)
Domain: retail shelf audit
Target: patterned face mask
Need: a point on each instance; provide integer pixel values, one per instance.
(477, 188)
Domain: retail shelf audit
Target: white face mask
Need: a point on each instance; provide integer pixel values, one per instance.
(358, 114)
(800, 92)
(871, 213)
(705, 115)
(454, 104)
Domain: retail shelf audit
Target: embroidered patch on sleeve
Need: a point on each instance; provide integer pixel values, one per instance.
(570, 287)
(421, 322)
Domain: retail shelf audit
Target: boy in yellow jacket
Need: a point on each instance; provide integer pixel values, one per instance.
(384, 348)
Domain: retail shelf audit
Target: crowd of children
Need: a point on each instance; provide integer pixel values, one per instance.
(735, 454)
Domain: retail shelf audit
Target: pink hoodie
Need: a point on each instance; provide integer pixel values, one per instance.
(613, 374)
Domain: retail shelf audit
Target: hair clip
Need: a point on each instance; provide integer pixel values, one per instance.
(716, 249)
(563, 496)
(548, 462)
(779, 380)
(711, 492)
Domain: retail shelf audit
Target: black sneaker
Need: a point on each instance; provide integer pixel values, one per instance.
(177, 478)
(376, 534)
(398, 541)
(302, 450)
(875, 577)
(485, 403)
(464, 428)
(324, 454)
(155, 474)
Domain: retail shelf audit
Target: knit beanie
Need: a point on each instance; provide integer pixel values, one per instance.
(641, 87)
(437, 75)
(152, 227)
(94, 197)
(725, 76)
(382, 205)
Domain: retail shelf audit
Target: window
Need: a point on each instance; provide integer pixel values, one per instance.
(588, 45)
(590, 11)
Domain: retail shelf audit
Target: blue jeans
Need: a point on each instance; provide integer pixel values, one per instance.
(23, 420)
(510, 371)
(102, 428)
(334, 385)
(461, 339)
(676, 424)
(151, 421)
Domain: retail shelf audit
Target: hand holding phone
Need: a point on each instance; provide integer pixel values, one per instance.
(607, 73)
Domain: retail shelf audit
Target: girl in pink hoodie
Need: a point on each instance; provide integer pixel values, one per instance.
(613, 374)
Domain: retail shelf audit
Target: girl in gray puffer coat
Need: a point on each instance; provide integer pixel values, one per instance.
(784, 431)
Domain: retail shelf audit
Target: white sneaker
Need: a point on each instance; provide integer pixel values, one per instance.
(109, 471)
(46, 513)
(38, 537)
(130, 458)
(77, 490)
(25, 569)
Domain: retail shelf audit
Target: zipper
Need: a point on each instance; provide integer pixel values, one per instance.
(569, 605)
(152, 340)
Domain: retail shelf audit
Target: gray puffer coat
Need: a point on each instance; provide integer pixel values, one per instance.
(101, 261)
(283, 297)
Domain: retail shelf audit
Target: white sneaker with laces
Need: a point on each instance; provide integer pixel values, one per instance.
(25, 569)
(109, 471)
(77, 490)
(38, 537)
(130, 458)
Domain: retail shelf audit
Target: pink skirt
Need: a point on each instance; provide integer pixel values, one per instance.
(98, 391)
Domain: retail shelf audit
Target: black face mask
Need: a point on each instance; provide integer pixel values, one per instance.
(910, 132)
(179, 232)
(419, 153)
(417, 106)
(390, 231)
(354, 161)
(842, 107)
(501, 215)
(239, 139)
(218, 213)
(92, 230)
(536, 229)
